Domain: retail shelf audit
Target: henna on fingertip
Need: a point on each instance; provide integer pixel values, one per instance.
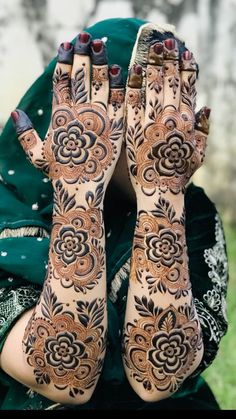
(116, 76)
(65, 53)
(202, 120)
(155, 55)
(187, 61)
(135, 76)
(98, 52)
(21, 121)
(83, 44)
(171, 50)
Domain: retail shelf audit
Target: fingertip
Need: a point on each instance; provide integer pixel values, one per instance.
(98, 52)
(135, 76)
(65, 53)
(116, 76)
(155, 54)
(15, 115)
(83, 44)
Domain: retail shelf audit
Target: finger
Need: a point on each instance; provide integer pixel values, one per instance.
(154, 83)
(201, 133)
(171, 74)
(29, 139)
(62, 75)
(80, 75)
(100, 80)
(134, 106)
(116, 94)
(188, 77)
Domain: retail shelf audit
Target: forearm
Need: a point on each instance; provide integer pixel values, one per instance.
(162, 338)
(64, 342)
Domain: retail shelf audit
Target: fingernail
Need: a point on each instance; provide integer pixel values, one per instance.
(84, 37)
(158, 48)
(207, 112)
(97, 45)
(170, 43)
(187, 55)
(15, 116)
(66, 46)
(137, 69)
(114, 70)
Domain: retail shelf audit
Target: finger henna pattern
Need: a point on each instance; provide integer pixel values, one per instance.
(159, 251)
(66, 348)
(161, 345)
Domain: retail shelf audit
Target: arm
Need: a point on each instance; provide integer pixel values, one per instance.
(65, 337)
(162, 334)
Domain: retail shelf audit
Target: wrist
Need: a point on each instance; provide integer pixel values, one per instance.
(149, 202)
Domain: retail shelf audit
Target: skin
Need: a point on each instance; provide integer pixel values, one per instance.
(59, 346)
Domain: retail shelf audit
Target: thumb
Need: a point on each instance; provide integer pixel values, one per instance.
(29, 139)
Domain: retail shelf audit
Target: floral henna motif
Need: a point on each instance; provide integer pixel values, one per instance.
(161, 346)
(165, 155)
(82, 146)
(159, 251)
(76, 252)
(66, 349)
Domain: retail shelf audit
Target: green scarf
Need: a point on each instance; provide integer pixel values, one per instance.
(25, 225)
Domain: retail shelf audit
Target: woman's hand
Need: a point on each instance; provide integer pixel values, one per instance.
(85, 135)
(165, 144)
(64, 342)
(165, 141)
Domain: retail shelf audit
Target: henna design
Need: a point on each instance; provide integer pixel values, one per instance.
(78, 90)
(100, 75)
(155, 78)
(161, 345)
(159, 251)
(82, 144)
(64, 348)
(134, 100)
(165, 158)
(116, 98)
(61, 87)
(76, 253)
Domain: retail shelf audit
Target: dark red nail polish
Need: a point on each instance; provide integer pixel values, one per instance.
(187, 55)
(15, 116)
(114, 70)
(97, 45)
(84, 37)
(207, 111)
(170, 43)
(137, 69)
(158, 48)
(66, 46)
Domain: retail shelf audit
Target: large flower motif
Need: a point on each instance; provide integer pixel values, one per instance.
(72, 142)
(63, 351)
(164, 248)
(173, 155)
(71, 244)
(169, 351)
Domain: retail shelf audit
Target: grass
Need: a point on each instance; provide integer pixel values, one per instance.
(221, 375)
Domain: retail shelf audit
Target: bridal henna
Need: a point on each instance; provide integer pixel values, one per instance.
(64, 343)
(165, 144)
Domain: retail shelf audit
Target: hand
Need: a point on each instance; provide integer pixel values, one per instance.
(165, 141)
(85, 135)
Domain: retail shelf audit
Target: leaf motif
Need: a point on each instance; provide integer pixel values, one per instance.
(116, 129)
(165, 210)
(79, 93)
